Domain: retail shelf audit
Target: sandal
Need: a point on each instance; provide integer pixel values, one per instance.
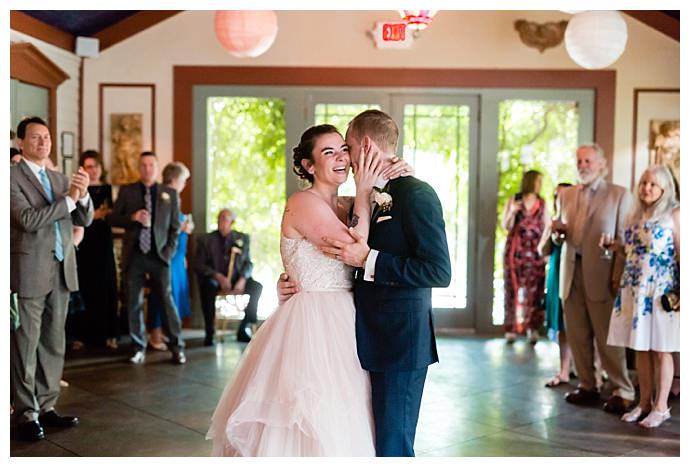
(655, 418)
(634, 415)
(556, 381)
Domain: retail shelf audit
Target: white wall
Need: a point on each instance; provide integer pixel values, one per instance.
(67, 92)
(456, 39)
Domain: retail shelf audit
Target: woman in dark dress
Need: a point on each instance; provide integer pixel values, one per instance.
(525, 216)
(98, 325)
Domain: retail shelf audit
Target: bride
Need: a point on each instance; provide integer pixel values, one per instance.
(299, 389)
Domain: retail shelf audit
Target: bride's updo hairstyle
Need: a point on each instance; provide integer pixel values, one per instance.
(303, 151)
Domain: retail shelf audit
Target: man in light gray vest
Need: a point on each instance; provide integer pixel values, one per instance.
(44, 206)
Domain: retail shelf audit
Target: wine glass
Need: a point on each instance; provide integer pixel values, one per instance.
(606, 242)
(559, 228)
(190, 223)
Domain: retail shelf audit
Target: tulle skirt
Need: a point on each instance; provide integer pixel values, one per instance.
(299, 389)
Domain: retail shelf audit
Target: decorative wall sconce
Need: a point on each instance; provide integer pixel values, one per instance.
(541, 36)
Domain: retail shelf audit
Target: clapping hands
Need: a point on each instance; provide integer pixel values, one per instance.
(79, 185)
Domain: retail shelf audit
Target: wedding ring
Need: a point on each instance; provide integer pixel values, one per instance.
(337, 256)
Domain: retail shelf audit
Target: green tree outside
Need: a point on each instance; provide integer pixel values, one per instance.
(246, 172)
(540, 135)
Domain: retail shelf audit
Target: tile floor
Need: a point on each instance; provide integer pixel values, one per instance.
(484, 399)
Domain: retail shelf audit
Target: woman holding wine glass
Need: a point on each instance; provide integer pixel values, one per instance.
(554, 307)
(643, 318)
(525, 217)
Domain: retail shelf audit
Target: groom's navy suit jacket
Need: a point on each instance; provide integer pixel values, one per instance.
(394, 323)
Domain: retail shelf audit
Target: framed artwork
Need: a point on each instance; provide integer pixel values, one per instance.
(656, 131)
(127, 128)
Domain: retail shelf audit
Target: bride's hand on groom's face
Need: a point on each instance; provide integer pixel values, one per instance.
(285, 288)
(367, 166)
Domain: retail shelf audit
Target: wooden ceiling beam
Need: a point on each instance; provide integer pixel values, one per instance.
(132, 25)
(657, 21)
(24, 23)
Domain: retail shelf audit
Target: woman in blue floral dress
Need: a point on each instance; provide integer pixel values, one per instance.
(639, 321)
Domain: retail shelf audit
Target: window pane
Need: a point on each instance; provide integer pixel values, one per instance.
(539, 135)
(436, 142)
(246, 172)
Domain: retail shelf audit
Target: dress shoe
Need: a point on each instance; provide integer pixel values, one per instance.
(244, 334)
(617, 405)
(52, 419)
(178, 358)
(138, 358)
(209, 342)
(581, 396)
(30, 431)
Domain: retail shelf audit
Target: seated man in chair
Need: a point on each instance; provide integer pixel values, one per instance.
(223, 266)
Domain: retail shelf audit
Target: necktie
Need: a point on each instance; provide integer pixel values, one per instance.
(145, 233)
(43, 176)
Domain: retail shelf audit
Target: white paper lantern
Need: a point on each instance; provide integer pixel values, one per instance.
(595, 39)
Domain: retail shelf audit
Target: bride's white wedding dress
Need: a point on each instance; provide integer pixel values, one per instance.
(299, 389)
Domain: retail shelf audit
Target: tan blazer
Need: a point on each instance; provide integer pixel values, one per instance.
(608, 208)
(32, 231)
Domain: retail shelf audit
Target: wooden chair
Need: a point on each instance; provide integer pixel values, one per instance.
(229, 306)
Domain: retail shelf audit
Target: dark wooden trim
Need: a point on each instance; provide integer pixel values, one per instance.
(29, 65)
(131, 26)
(603, 82)
(26, 24)
(101, 88)
(657, 21)
(636, 97)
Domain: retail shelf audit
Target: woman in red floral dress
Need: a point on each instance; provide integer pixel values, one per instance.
(525, 216)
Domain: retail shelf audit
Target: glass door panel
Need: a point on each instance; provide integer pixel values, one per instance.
(246, 173)
(532, 134)
(436, 142)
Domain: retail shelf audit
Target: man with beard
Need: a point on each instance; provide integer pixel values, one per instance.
(588, 280)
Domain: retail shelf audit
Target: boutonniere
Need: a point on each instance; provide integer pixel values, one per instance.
(239, 242)
(165, 197)
(383, 199)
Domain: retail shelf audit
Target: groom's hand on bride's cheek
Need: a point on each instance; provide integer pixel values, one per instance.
(285, 288)
(354, 254)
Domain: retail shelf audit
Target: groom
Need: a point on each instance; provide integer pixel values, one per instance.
(405, 255)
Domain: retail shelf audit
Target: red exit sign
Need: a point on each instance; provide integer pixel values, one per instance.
(389, 35)
(393, 32)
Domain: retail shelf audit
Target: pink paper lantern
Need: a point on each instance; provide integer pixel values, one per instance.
(246, 33)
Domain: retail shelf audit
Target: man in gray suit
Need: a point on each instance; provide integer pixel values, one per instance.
(44, 206)
(588, 281)
(150, 214)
